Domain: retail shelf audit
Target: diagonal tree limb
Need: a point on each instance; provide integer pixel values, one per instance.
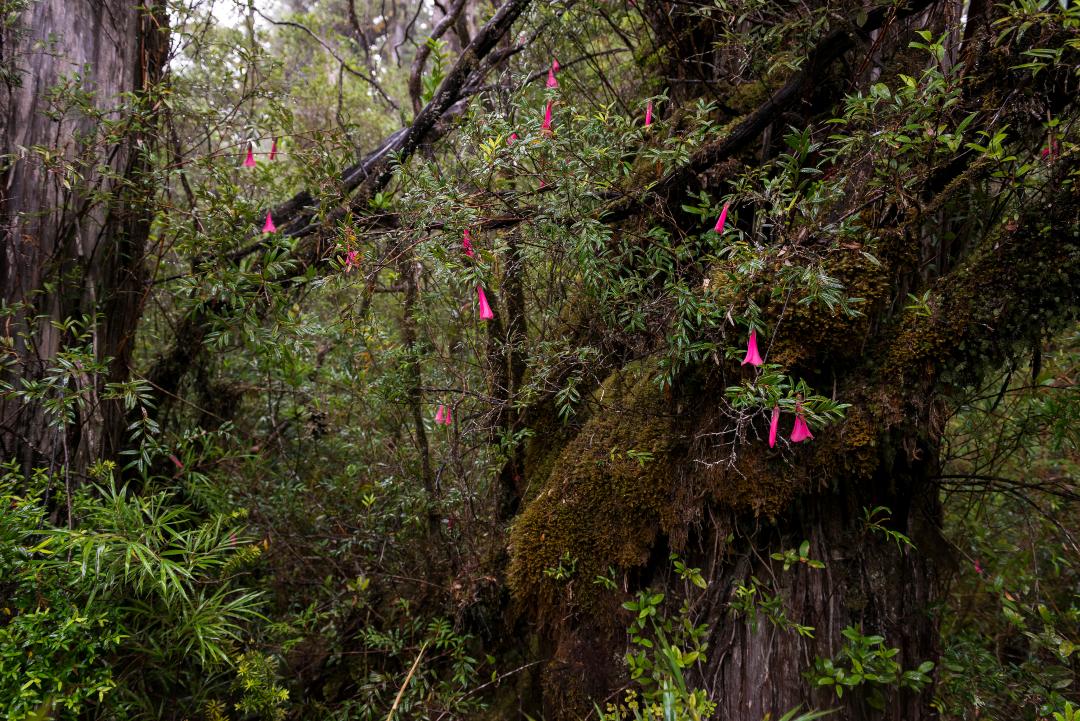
(424, 51)
(830, 48)
(363, 179)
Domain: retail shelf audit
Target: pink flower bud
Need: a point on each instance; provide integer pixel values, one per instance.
(249, 161)
(268, 226)
(546, 126)
(485, 309)
(774, 424)
(721, 220)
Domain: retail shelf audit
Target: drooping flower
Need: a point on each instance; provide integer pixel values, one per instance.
(551, 81)
(546, 125)
(485, 309)
(448, 418)
(466, 244)
(249, 161)
(752, 355)
(512, 138)
(352, 260)
(774, 424)
(800, 431)
(273, 149)
(440, 414)
(1052, 150)
(721, 220)
(268, 226)
(648, 114)
(555, 65)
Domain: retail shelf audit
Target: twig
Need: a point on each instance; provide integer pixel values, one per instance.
(401, 691)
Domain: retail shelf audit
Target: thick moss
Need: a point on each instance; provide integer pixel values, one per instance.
(607, 496)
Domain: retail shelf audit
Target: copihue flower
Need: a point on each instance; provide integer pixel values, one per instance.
(1052, 150)
(800, 431)
(268, 226)
(752, 355)
(512, 138)
(448, 418)
(273, 149)
(774, 424)
(721, 220)
(249, 161)
(466, 244)
(555, 65)
(648, 114)
(352, 260)
(440, 414)
(485, 309)
(551, 81)
(546, 125)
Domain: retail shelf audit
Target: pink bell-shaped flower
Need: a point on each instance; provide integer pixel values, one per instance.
(485, 309)
(551, 81)
(273, 149)
(648, 114)
(448, 418)
(721, 220)
(440, 414)
(1052, 150)
(466, 244)
(752, 355)
(800, 431)
(774, 424)
(268, 226)
(555, 65)
(546, 125)
(249, 161)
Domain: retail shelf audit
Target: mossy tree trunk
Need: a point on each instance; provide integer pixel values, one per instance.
(999, 276)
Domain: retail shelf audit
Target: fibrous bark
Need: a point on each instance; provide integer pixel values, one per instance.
(73, 190)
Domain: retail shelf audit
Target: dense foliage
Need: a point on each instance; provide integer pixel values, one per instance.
(337, 491)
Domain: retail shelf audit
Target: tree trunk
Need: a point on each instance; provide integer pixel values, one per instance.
(757, 662)
(709, 488)
(869, 583)
(74, 214)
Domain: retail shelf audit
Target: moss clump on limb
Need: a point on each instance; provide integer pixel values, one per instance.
(606, 497)
(1019, 284)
